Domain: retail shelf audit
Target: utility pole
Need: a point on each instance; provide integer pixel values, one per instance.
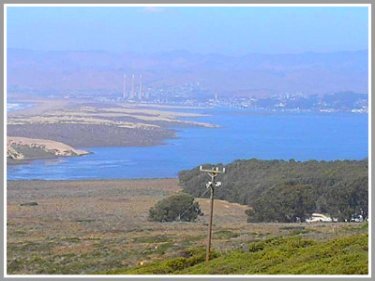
(211, 185)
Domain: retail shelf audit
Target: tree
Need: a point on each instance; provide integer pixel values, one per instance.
(180, 206)
(278, 190)
(349, 199)
(285, 203)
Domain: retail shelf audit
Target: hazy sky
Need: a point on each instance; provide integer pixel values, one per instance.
(225, 30)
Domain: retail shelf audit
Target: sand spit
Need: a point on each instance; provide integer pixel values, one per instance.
(90, 124)
(19, 148)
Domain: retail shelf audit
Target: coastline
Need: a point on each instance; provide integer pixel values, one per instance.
(163, 153)
(93, 180)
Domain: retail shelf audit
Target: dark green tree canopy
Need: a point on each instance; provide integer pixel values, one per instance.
(278, 190)
(284, 203)
(180, 206)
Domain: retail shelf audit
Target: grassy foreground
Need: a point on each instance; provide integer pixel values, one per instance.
(281, 255)
(91, 227)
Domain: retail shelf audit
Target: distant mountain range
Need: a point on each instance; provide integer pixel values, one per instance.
(261, 75)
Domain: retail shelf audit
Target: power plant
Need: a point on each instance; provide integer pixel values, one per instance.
(136, 91)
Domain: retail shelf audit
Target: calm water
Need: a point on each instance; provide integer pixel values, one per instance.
(242, 135)
(14, 106)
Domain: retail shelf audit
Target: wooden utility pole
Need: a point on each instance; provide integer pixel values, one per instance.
(211, 185)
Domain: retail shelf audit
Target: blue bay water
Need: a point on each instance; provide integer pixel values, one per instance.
(15, 106)
(242, 135)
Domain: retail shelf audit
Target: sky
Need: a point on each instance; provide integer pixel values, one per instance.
(204, 30)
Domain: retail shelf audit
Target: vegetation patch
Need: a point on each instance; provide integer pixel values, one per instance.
(85, 220)
(29, 204)
(71, 239)
(151, 239)
(293, 256)
(178, 207)
(225, 234)
(290, 191)
(187, 259)
(280, 255)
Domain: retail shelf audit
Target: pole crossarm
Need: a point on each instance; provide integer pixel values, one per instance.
(212, 172)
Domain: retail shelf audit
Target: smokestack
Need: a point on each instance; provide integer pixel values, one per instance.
(124, 87)
(140, 86)
(132, 89)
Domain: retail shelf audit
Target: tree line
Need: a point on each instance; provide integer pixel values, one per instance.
(287, 191)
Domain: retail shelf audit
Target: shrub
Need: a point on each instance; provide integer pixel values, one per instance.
(180, 206)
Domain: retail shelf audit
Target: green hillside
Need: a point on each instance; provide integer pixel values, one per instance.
(281, 255)
(282, 191)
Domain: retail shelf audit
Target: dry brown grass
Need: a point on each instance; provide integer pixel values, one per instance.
(95, 226)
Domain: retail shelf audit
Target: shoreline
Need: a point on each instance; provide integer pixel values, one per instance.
(93, 180)
(81, 124)
(155, 177)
